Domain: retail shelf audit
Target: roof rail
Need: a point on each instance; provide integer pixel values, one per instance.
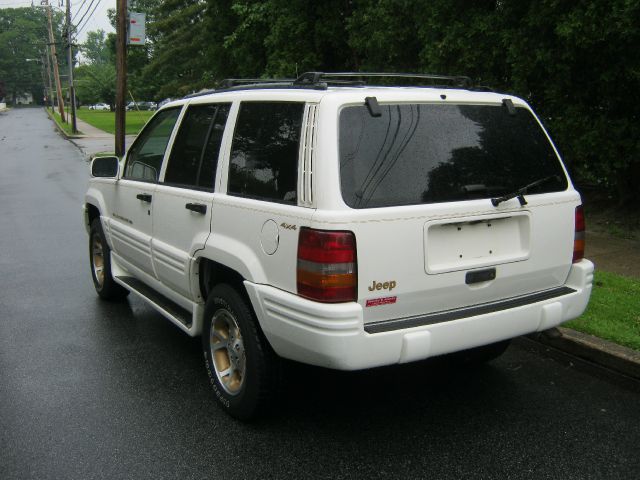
(341, 78)
(234, 82)
(320, 81)
(200, 93)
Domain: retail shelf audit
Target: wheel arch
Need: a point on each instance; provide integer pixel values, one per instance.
(94, 205)
(92, 212)
(212, 273)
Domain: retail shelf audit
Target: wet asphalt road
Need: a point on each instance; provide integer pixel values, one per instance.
(96, 390)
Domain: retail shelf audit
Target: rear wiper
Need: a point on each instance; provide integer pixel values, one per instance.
(519, 194)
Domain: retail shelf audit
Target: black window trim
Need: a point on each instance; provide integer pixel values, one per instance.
(304, 103)
(139, 135)
(204, 148)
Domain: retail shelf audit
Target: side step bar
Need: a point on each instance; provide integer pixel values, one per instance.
(174, 312)
(472, 311)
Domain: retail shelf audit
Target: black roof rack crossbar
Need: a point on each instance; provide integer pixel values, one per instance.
(338, 77)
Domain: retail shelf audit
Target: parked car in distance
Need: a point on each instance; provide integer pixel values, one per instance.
(99, 106)
(341, 224)
(161, 103)
(148, 106)
(141, 106)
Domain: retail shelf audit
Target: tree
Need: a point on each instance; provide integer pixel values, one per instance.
(96, 83)
(23, 41)
(576, 62)
(95, 49)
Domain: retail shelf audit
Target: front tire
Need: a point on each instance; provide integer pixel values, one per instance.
(242, 367)
(100, 259)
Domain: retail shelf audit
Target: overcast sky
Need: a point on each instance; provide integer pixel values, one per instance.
(99, 19)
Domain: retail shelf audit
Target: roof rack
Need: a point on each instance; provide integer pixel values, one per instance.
(321, 80)
(342, 78)
(200, 93)
(234, 82)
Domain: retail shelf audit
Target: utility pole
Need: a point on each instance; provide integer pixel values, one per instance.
(54, 60)
(121, 73)
(72, 90)
(51, 95)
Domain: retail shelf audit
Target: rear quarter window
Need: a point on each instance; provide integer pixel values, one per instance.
(427, 153)
(264, 152)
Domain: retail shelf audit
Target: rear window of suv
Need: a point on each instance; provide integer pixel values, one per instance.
(425, 153)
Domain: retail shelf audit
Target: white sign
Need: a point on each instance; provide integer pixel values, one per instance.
(137, 30)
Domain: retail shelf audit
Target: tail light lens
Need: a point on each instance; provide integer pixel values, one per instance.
(327, 265)
(578, 242)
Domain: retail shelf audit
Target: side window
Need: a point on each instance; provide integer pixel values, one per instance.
(194, 155)
(264, 153)
(145, 156)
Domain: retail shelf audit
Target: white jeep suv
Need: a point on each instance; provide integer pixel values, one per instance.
(340, 224)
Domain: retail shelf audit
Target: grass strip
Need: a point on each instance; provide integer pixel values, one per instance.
(106, 121)
(614, 310)
(64, 126)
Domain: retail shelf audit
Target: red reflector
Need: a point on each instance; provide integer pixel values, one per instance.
(327, 265)
(578, 242)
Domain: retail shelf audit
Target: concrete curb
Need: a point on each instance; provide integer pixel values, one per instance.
(593, 349)
(60, 129)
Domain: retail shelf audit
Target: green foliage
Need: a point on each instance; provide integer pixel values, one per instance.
(55, 116)
(95, 48)
(614, 310)
(96, 83)
(23, 42)
(576, 62)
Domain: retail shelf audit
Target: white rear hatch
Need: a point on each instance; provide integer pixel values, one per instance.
(419, 179)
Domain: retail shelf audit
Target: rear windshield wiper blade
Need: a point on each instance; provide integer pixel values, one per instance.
(519, 194)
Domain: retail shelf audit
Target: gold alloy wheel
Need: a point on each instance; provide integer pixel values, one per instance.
(227, 351)
(97, 259)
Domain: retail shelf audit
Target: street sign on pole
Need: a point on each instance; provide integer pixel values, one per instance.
(137, 29)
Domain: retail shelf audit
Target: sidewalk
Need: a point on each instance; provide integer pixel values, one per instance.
(93, 140)
(612, 254)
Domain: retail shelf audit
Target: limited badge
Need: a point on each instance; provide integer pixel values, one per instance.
(376, 302)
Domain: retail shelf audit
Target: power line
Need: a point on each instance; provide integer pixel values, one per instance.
(88, 18)
(79, 8)
(85, 13)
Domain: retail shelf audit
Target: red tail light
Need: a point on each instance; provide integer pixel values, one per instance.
(327, 265)
(578, 242)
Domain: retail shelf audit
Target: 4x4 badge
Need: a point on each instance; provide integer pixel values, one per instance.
(288, 227)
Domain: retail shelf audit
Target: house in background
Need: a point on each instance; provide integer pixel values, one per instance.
(21, 99)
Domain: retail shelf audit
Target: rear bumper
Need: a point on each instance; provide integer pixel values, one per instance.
(334, 336)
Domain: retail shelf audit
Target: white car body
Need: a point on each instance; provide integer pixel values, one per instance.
(412, 299)
(100, 106)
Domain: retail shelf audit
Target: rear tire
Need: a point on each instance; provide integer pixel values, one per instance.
(100, 260)
(242, 367)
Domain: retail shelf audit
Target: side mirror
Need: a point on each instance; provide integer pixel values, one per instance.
(105, 167)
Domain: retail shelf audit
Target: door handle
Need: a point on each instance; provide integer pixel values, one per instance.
(196, 207)
(145, 197)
